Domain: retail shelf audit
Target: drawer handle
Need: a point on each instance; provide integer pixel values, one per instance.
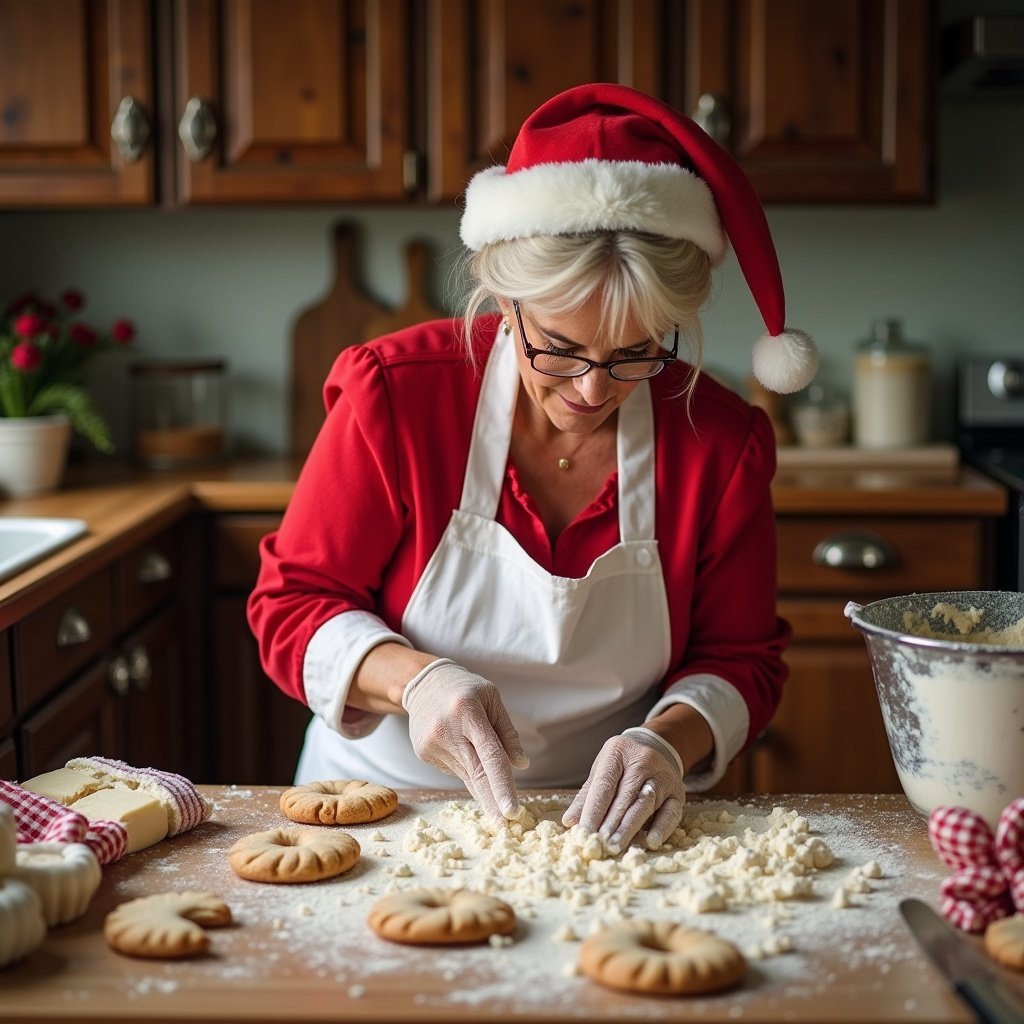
(140, 668)
(155, 568)
(855, 550)
(119, 676)
(73, 629)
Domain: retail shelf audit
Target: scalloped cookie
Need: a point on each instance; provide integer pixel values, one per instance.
(338, 802)
(291, 855)
(168, 925)
(1004, 941)
(431, 917)
(660, 958)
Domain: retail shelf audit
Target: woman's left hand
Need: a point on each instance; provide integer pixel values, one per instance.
(635, 779)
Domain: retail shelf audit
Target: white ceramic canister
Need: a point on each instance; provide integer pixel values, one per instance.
(891, 390)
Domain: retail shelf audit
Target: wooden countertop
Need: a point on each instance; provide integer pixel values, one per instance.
(305, 953)
(123, 506)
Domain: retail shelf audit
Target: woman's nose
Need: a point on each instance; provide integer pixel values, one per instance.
(593, 387)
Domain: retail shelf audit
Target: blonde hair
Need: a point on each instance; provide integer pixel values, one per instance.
(658, 281)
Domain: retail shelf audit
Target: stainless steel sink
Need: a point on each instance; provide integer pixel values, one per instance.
(27, 540)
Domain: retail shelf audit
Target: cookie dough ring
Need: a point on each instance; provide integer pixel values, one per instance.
(168, 925)
(432, 917)
(338, 802)
(660, 958)
(1004, 941)
(290, 855)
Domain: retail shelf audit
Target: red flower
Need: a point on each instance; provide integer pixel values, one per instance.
(123, 331)
(21, 303)
(84, 335)
(73, 299)
(26, 356)
(28, 325)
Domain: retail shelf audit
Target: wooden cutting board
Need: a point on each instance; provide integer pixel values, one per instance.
(346, 316)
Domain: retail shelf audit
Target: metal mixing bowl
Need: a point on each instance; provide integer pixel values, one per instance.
(953, 710)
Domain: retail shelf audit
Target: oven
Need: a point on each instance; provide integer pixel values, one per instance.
(990, 420)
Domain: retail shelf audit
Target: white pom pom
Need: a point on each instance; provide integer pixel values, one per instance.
(785, 362)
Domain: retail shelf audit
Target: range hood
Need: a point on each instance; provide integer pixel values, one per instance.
(984, 56)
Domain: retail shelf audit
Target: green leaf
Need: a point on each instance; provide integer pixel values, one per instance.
(12, 394)
(73, 400)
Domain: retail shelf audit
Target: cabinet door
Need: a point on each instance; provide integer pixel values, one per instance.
(68, 68)
(8, 761)
(147, 673)
(490, 63)
(78, 723)
(819, 101)
(6, 686)
(259, 731)
(828, 735)
(302, 101)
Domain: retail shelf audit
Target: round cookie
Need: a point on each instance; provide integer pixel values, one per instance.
(431, 917)
(660, 958)
(168, 925)
(1004, 941)
(291, 855)
(338, 802)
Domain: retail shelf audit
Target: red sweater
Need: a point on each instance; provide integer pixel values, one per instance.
(386, 472)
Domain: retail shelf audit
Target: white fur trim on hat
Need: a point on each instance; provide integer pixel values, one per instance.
(592, 195)
(785, 362)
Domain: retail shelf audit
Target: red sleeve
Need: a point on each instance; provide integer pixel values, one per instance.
(730, 628)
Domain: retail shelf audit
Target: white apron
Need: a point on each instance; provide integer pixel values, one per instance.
(575, 660)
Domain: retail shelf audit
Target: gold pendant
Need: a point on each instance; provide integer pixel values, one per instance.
(563, 463)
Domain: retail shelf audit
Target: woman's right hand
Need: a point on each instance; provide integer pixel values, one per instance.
(458, 723)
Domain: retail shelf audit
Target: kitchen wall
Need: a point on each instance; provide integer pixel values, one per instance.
(230, 283)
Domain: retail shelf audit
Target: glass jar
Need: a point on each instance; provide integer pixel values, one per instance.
(179, 412)
(891, 390)
(820, 418)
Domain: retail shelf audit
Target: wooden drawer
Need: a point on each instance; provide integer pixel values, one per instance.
(236, 556)
(80, 722)
(56, 641)
(146, 577)
(6, 686)
(908, 555)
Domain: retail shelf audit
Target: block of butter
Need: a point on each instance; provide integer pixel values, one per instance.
(65, 785)
(143, 817)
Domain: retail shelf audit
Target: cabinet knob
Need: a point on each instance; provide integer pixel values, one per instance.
(130, 129)
(155, 568)
(712, 114)
(119, 675)
(197, 129)
(73, 629)
(857, 549)
(140, 668)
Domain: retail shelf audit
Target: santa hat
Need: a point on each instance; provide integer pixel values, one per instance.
(604, 157)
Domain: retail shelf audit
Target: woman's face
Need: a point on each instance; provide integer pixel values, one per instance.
(577, 405)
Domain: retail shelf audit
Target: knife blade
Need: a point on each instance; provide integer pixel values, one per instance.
(969, 973)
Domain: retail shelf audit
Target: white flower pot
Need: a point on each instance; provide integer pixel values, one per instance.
(33, 454)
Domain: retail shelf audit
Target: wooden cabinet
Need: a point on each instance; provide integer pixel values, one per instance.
(99, 668)
(240, 101)
(258, 730)
(828, 736)
(819, 102)
(71, 72)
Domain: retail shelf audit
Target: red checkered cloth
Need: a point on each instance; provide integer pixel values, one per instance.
(40, 820)
(988, 878)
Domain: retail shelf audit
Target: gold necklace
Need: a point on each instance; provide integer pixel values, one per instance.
(564, 462)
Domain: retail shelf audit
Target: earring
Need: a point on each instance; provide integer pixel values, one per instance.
(506, 326)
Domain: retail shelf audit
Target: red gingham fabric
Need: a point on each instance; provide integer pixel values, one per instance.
(988, 879)
(40, 820)
(190, 808)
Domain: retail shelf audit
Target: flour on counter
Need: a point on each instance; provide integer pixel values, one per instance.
(764, 879)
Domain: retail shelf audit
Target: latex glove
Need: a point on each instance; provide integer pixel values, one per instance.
(636, 778)
(458, 723)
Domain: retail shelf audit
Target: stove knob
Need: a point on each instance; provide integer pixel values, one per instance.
(1006, 379)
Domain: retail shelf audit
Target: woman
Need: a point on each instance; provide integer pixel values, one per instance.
(533, 545)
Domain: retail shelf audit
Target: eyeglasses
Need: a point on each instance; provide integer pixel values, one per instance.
(557, 364)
